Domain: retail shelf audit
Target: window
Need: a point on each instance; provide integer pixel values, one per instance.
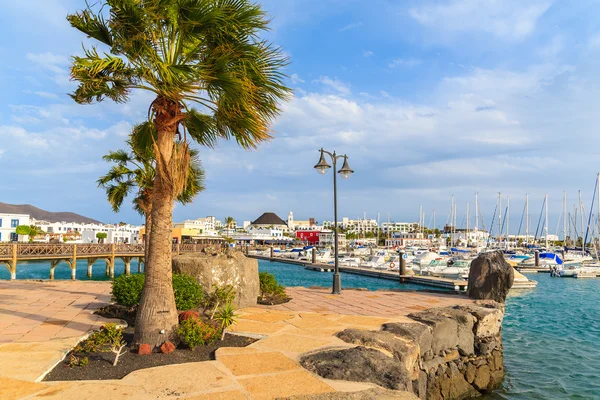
(14, 223)
(0, 222)
(0, 233)
(14, 237)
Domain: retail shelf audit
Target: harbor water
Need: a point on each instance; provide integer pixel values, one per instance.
(550, 333)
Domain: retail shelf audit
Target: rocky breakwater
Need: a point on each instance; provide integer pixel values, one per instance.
(443, 353)
(215, 268)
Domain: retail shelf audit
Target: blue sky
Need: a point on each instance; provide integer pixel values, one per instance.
(428, 98)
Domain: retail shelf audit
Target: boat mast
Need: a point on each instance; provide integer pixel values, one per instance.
(467, 224)
(500, 219)
(581, 217)
(565, 218)
(377, 244)
(546, 201)
(476, 212)
(598, 216)
(452, 222)
(507, 219)
(526, 220)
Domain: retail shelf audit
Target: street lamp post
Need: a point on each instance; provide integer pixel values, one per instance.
(345, 171)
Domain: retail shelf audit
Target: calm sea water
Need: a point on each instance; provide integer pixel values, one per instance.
(41, 270)
(551, 334)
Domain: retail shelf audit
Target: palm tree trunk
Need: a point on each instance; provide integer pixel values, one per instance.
(156, 319)
(148, 216)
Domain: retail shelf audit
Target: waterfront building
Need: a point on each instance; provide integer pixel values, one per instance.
(462, 237)
(268, 220)
(75, 232)
(408, 239)
(302, 225)
(327, 238)
(357, 226)
(8, 226)
(194, 230)
(389, 228)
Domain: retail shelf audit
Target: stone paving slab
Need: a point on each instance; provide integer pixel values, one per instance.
(40, 322)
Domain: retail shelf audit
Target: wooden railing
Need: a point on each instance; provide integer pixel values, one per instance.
(44, 250)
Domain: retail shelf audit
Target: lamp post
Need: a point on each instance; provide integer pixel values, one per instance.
(345, 171)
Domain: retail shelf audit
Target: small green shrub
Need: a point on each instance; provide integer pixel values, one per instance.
(188, 293)
(127, 289)
(75, 361)
(101, 340)
(219, 297)
(269, 285)
(226, 316)
(194, 332)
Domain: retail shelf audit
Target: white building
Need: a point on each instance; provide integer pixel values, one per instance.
(358, 226)
(75, 232)
(8, 226)
(399, 227)
(302, 225)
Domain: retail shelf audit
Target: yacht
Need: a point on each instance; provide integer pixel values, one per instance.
(458, 270)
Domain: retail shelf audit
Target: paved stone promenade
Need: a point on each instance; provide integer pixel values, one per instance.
(40, 322)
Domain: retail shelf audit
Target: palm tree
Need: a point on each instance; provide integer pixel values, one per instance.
(206, 54)
(137, 169)
(228, 223)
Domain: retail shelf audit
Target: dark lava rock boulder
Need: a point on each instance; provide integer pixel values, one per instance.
(490, 277)
(358, 364)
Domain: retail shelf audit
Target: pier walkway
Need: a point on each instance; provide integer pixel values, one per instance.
(11, 254)
(41, 321)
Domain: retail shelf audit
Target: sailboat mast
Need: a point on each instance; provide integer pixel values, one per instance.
(598, 215)
(507, 219)
(581, 217)
(526, 219)
(452, 222)
(476, 212)
(377, 244)
(565, 218)
(467, 224)
(546, 202)
(500, 218)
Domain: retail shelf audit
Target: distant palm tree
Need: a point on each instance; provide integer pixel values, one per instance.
(213, 76)
(229, 221)
(134, 170)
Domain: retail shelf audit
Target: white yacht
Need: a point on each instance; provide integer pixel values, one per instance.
(458, 270)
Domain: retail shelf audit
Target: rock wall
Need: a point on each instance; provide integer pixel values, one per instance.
(445, 353)
(212, 269)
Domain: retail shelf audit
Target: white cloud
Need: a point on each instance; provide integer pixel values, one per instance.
(335, 84)
(351, 26)
(53, 62)
(1, 152)
(47, 95)
(368, 53)
(296, 79)
(408, 63)
(509, 19)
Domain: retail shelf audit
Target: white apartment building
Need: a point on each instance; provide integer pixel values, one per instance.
(8, 226)
(399, 227)
(86, 233)
(358, 226)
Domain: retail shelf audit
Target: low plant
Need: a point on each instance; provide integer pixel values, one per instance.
(127, 289)
(75, 361)
(219, 297)
(226, 316)
(188, 293)
(108, 338)
(194, 332)
(271, 291)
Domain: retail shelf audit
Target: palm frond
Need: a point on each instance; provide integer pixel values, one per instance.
(116, 194)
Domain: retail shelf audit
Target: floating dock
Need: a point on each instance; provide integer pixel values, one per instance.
(450, 284)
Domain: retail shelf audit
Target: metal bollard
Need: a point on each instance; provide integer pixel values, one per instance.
(537, 258)
(314, 255)
(402, 269)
